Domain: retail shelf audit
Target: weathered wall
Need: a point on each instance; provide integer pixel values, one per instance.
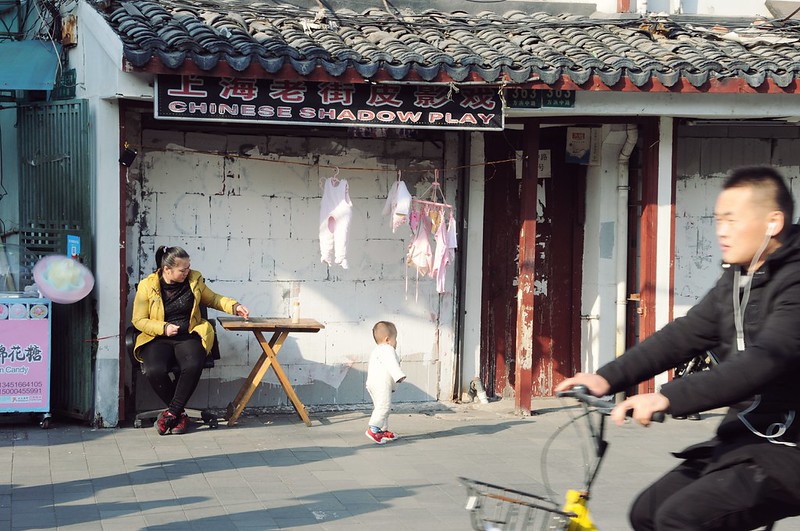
(251, 227)
(701, 167)
(598, 294)
(9, 176)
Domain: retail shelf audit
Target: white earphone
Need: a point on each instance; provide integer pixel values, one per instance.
(770, 228)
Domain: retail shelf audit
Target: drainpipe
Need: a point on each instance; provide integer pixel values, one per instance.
(632, 135)
(460, 278)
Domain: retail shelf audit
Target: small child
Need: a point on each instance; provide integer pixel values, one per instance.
(383, 375)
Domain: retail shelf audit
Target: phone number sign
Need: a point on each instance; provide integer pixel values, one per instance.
(520, 98)
(24, 365)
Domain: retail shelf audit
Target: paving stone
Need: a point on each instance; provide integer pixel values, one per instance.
(228, 483)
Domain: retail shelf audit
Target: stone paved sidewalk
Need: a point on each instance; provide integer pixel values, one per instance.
(272, 472)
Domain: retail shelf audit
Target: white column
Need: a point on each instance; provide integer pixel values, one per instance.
(107, 213)
(664, 229)
(470, 357)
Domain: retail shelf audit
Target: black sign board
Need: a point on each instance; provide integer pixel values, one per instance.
(327, 103)
(520, 98)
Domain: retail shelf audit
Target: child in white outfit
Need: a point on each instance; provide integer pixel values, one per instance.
(383, 375)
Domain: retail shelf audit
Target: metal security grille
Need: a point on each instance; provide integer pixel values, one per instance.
(55, 201)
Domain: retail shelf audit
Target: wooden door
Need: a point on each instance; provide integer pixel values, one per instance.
(558, 266)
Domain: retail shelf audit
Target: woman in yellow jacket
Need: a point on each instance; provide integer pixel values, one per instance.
(166, 311)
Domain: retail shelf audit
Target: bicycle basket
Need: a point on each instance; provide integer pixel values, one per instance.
(496, 508)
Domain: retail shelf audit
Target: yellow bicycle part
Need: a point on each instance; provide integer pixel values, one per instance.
(576, 503)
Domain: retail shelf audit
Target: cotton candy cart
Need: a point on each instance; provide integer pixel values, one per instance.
(25, 355)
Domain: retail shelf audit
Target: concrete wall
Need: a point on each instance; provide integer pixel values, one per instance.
(97, 60)
(702, 164)
(598, 294)
(9, 176)
(251, 227)
(731, 8)
(474, 265)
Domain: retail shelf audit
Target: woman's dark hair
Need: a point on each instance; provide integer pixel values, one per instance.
(167, 256)
(768, 181)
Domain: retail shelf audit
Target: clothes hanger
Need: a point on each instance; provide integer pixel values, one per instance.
(436, 195)
(334, 179)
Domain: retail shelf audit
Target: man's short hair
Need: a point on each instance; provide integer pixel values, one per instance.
(769, 181)
(383, 330)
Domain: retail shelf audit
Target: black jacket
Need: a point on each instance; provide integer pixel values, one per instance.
(769, 366)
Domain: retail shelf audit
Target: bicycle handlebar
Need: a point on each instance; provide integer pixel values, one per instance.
(581, 394)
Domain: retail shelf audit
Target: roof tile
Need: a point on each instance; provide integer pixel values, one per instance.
(516, 46)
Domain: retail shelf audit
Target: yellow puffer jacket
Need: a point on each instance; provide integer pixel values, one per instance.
(148, 310)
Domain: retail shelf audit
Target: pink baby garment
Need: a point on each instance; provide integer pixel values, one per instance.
(334, 221)
(419, 252)
(446, 243)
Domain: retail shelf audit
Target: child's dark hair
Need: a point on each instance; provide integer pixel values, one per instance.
(383, 330)
(168, 256)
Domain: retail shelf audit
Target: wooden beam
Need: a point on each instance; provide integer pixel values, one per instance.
(523, 370)
(649, 238)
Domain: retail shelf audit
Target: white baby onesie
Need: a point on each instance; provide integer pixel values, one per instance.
(398, 203)
(334, 221)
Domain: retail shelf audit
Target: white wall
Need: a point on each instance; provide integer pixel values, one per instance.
(744, 8)
(729, 8)
(470, 357)
(701, 167)
(9, 174)
(598, 294)
(251, 227)
(694, 106)
(97, 60)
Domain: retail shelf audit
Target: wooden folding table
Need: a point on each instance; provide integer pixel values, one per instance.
(280, 328)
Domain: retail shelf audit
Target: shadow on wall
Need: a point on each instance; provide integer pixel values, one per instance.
(315, 383)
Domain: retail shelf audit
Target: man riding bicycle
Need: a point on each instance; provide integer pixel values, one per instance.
(748, 475)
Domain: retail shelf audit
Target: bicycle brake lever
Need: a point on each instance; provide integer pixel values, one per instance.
(582, 390)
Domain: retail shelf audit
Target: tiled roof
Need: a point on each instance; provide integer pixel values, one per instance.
(514, 47)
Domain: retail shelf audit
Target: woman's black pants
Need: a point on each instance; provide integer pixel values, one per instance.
(162, 354)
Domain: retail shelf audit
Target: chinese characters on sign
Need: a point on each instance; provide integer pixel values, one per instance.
(24, 356)
(336, 104)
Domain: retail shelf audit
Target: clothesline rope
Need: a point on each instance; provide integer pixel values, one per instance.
(326, 166)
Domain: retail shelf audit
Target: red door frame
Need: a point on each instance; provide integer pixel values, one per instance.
(524, 363)
(648, 237)
(523, 373)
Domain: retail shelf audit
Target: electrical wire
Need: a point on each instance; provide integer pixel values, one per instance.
(427, 20)
(50, 35)
(232, 155)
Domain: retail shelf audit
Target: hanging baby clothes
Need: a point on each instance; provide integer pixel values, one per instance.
(398, 203)
(419, 252)
(446, 243)
(334, 221)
